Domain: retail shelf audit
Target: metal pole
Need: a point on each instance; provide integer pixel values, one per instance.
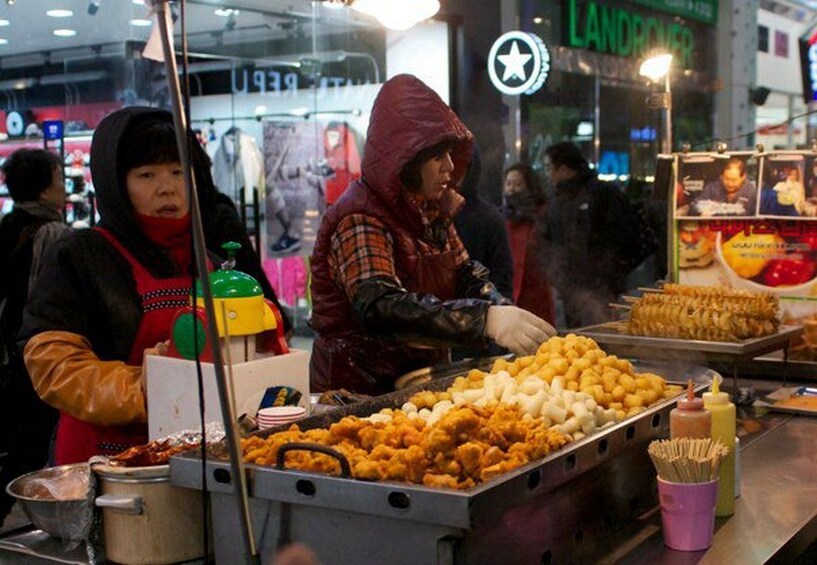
(667, 145)
(199, 247)
(597, 121)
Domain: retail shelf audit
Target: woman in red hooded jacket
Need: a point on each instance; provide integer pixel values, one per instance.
(524, 208)
(392, 285)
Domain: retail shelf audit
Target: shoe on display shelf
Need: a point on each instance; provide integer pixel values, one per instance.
(286, 244)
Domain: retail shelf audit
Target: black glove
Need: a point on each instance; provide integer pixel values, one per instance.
(473, 282)
(387, 309)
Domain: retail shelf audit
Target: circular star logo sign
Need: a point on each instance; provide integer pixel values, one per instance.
(518, 63)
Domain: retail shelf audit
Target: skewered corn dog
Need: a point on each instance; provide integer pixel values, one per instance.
(705, 313)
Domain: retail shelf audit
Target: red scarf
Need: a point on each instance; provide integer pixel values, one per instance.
(172, 234)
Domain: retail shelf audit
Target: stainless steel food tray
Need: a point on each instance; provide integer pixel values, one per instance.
(612, 340)
(772, 401)
(571, 494)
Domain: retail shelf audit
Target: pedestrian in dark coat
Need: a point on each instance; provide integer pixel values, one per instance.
(481, 228)
(592, 240)
(34, 179)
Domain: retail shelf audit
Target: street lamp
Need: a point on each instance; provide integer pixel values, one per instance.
(655, 68)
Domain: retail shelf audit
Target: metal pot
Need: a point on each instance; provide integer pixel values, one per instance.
(146, 519)
(66, 518)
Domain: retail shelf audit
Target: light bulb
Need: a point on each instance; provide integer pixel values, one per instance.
(398, 14)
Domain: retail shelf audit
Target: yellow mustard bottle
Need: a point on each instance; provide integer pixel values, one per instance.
(724, 427)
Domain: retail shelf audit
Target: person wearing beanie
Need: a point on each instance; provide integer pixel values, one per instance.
(108, 294)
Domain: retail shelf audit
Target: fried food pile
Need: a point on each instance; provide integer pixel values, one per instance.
(467, 445)
(484, 424)
(571, 383)
(157, 452)
(705, 313)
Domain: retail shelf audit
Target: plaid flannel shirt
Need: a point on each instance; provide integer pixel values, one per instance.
(362, 248)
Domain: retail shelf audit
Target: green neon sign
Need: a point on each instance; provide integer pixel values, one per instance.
(607, 29)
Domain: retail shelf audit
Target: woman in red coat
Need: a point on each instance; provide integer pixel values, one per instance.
(524, 207)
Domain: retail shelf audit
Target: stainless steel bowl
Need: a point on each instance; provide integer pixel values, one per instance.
(62, 518)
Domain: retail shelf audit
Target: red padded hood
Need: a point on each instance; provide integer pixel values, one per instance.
(406, 118)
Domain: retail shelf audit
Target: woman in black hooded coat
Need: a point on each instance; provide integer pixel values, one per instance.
(481, 228)
(84, 324)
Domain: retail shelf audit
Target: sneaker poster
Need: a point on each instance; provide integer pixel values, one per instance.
(305, 162)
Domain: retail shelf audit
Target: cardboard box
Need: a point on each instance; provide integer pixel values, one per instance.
(172, 388)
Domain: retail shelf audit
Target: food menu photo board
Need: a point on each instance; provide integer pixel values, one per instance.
(749, 221)
(710, 185)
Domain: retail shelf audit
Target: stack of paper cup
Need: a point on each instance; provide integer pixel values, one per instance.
(279, 416)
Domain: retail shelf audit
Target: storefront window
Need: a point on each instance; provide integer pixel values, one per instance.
(282, 102)
(594, 96)
(280, 92)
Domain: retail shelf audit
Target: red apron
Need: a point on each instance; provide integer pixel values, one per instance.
(77, 440)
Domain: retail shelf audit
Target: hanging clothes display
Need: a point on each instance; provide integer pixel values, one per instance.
(342, 159)
(289, 278)
(238, 165)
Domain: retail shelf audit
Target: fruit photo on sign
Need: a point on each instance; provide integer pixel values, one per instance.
(768, 257)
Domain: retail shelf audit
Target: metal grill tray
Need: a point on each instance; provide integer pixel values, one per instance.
(645, 347)
(446, 507)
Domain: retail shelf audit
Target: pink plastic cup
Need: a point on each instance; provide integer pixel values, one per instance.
(688, 514)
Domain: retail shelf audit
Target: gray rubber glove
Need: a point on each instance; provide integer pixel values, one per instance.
(517, 329)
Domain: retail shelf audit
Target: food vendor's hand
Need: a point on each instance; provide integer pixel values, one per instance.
(295, 554)
(451, 202)
(160, 348)
(517, 329)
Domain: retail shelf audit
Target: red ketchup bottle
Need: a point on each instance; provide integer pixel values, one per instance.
(689, 419)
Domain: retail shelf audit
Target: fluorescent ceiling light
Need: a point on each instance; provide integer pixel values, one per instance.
(4, 22)
(226, 12)
(59, 13)
(21, 83)
(3, 41)
(139, 22)
(139, 2)
(64, 32)
(85, 76)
